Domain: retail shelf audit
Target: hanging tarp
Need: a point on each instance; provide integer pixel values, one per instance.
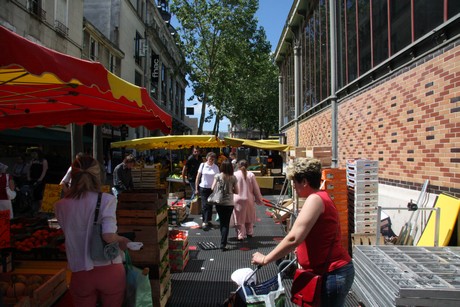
(42, 87)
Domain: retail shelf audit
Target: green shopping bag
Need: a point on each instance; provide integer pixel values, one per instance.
(138, 290)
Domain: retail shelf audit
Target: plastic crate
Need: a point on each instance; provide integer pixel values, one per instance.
(372, 211)
(365, 226)
(369, 197)
(334, 173)
(363, 176)
(360, 163)
(363, 187)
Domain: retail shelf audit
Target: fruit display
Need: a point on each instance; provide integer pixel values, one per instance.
(32, 237)
(32, 287)
(45, 237)
(18, 285)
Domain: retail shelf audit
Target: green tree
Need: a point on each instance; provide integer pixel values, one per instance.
(227, 60)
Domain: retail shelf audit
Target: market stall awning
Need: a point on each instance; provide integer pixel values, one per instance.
(259, 144)
(171, 142)
(42, 87)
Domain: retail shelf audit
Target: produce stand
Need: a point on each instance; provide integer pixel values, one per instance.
(33, 263)
(144, 214)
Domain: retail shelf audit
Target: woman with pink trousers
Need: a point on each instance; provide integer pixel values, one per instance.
(244, 212)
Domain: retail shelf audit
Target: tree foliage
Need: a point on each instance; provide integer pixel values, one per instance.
(228, 62)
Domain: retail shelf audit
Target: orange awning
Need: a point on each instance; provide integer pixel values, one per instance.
(42, 87)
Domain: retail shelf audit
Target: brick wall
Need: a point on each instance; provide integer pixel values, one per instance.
(409, 122)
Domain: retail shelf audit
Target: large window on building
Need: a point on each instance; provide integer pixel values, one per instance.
(93, 49)
(364, 36)
(368, 34)
(379, 31)
(138, 48)
(427, 16)
(400, 24)
(350, 32)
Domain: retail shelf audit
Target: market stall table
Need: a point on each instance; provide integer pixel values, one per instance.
(267, 182)
(174, 182)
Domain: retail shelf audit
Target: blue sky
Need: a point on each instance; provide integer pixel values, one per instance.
(272, 15)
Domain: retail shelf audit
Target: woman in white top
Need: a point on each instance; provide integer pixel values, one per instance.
(204, 180)
(91, 280)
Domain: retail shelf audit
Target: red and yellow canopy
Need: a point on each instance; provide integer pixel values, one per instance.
(42, 87)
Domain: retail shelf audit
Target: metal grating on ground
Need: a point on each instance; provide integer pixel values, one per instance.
(206, 280)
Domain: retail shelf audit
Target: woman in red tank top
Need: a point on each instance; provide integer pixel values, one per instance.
(316, 235)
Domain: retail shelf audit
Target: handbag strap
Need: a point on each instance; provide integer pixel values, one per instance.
(96, 214)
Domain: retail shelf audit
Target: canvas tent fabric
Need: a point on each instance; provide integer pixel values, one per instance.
(259, 144)
(42, 87)
(171, 142)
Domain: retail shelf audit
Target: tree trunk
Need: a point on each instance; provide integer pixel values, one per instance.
(203, 113)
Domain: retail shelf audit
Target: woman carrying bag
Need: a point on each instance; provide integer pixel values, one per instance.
(316, 236)
(203, 183)
(244, 214)
(227, 183)
(91, 280)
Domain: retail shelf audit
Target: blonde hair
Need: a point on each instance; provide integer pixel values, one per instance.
(305, 168)
(86, 177)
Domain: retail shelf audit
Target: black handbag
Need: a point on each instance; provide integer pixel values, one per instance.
(99, 249)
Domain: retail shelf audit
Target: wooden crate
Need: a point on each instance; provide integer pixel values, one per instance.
(365, 239)
(161, 289)
(147, 234)
(141, 201)
(300, 152)
(141, 217)
(151, 254)
(50, 290)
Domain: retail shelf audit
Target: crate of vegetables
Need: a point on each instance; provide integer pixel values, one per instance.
(41, 289)
(46, 243)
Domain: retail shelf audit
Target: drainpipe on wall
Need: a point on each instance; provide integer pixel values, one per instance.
(334, 107)
(297, 87)
(280, 105)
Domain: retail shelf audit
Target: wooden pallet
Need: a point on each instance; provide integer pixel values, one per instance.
(365, 239)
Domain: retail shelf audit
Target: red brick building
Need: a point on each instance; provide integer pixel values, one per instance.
(390, 79)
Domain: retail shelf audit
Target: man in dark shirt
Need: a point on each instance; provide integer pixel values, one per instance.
(122, 178)
(190, 169)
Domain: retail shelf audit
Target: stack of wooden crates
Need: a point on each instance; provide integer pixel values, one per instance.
(322, 153)
(363, 193)
(146, 177)
(146, 215)
(334, 182)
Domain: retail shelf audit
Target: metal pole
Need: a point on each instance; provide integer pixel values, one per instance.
(297, 87)
(334, 107)
(280, 105)
(377, 232)
(436, 227)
